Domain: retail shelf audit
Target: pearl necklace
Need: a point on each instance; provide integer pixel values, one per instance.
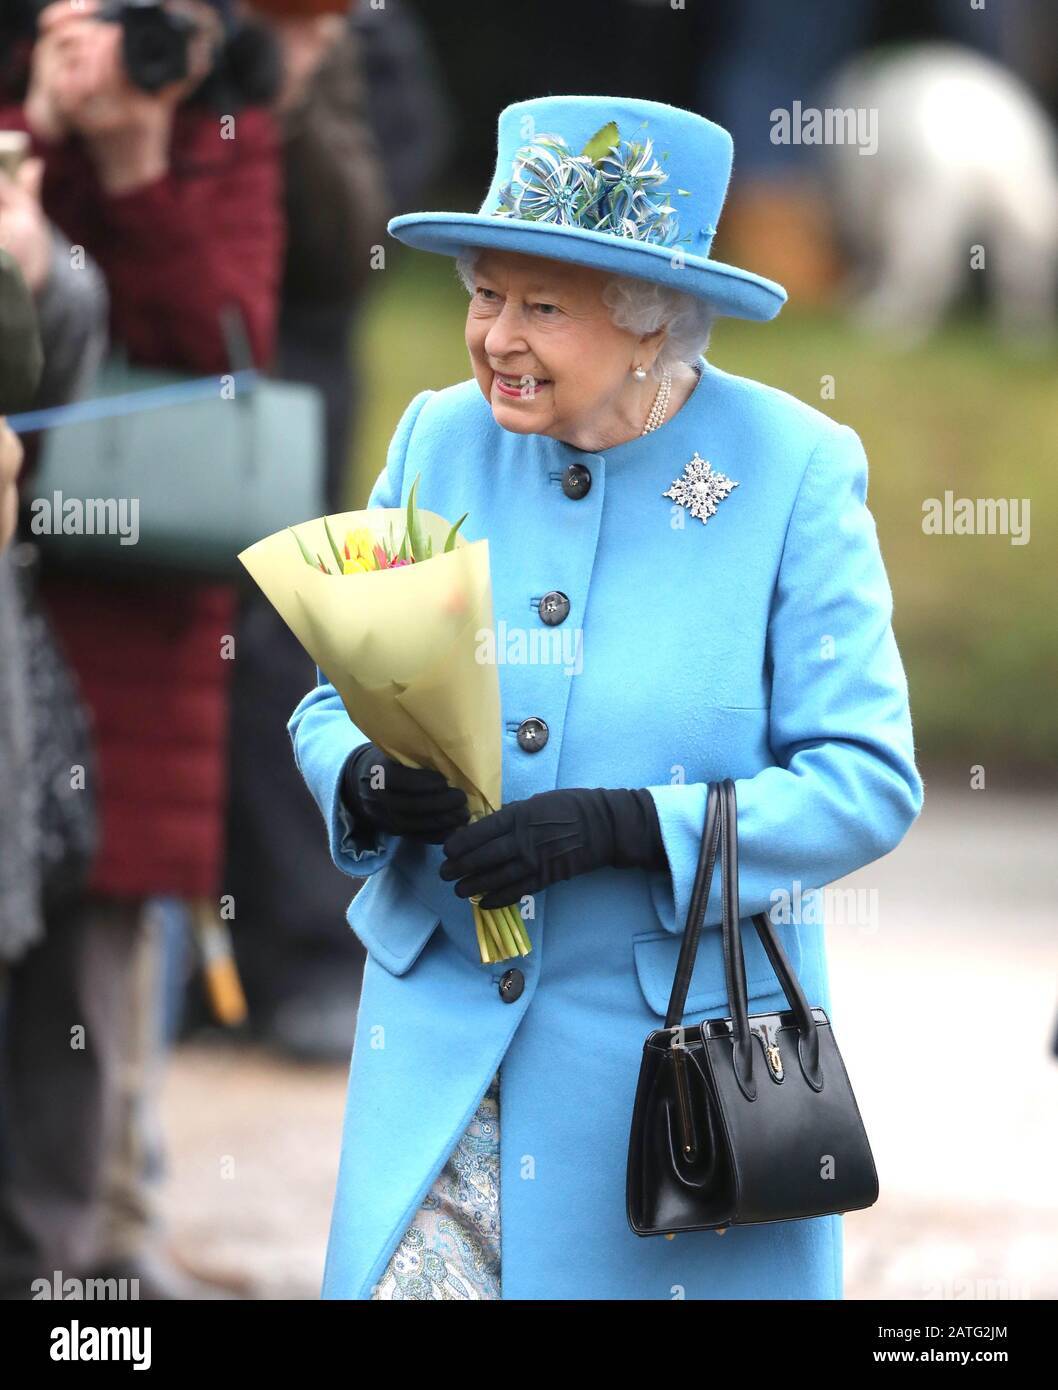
(661, 403)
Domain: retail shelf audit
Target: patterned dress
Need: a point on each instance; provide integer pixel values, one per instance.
(452, 1247)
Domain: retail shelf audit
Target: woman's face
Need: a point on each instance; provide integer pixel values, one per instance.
(547, 356)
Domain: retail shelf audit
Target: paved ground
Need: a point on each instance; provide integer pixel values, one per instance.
(945, 1017)
(945, 1002)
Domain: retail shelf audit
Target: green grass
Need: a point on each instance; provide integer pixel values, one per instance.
(974, 615)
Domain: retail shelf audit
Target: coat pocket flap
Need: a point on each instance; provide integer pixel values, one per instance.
(656, 954)
(391, 920)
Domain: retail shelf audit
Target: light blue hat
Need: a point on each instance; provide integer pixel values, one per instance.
(621, 184)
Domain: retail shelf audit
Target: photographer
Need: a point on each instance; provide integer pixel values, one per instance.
(174, 191)
(167, 173)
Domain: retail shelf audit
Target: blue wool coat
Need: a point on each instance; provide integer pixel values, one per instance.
(757, 646)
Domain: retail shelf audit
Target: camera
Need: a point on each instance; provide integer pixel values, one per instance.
(155, 41)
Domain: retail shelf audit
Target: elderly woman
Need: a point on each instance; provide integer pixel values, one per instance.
(704, 541)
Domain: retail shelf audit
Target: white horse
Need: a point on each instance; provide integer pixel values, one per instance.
(964, 180)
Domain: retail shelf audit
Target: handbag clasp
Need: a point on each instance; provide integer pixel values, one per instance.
(771, 1051)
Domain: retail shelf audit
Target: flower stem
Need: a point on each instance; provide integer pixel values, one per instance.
(518, 930)
(483, 948)
(500, 930)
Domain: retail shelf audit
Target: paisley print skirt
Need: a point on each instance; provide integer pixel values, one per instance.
(452, 1247)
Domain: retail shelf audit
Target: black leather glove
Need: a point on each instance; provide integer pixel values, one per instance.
(527, 845)
(411, 801)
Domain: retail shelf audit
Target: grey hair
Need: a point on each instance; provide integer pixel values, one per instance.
(640, 307)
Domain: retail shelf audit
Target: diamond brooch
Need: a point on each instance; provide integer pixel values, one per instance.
(700, 489)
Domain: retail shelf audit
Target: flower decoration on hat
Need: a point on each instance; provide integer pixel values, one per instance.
(551, 184)
(608, 187)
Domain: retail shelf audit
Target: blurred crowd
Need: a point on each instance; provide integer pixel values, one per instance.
(198, 186)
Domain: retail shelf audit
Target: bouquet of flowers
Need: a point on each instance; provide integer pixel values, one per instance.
(395, 630)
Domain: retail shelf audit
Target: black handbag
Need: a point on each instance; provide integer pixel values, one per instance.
(749, 1119)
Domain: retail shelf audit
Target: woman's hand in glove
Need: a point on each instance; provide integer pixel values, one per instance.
(527, 845)
(385, 794)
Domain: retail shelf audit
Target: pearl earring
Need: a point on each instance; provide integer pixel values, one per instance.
(639, 374)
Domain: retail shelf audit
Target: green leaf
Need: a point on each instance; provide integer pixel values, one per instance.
(334, 546)
(322, 565)
(429, 547)
(306, 554)
(599, 144)
(414, 535)
(450, 543)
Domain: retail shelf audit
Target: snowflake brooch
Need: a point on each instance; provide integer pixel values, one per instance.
(700, 489)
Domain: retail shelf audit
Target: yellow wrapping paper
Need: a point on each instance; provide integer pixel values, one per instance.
(401, 647)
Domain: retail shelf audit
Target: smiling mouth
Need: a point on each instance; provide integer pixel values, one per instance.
(523, 385)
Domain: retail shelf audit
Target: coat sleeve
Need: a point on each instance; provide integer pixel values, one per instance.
(323, 735)
(845, 789)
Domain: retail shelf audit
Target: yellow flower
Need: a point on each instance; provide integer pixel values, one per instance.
(359, 556)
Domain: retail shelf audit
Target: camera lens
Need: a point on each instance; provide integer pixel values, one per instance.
(155, 44)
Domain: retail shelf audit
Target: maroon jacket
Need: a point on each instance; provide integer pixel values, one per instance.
(149, 654)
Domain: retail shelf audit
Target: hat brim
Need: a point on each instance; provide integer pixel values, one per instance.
(732, 292)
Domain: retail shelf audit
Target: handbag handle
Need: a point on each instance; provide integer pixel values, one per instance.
(703, 882)
(721, 829)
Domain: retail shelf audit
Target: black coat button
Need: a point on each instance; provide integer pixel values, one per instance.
(532, 735)
(511, 985)
(577, 481)
(554, 607)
